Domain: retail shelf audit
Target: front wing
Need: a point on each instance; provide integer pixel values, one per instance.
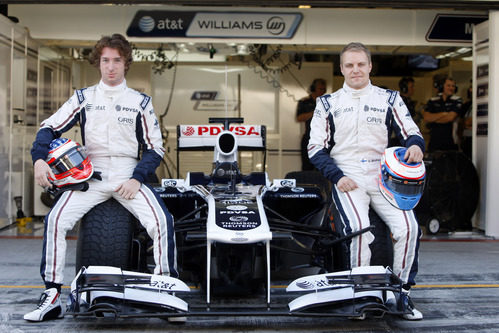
(108, 291)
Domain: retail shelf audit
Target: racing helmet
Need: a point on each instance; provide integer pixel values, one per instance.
(69, 162)
(401, 183)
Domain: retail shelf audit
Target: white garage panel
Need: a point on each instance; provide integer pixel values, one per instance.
(204, 91)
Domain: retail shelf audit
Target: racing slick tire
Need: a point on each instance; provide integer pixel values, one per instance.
(381, 247)
(105, 236)
(338, 258)
(452, 193)
(311, 177)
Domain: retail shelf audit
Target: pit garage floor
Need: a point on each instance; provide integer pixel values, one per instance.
(457, 291)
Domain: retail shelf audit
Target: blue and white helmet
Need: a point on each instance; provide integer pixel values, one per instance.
(401, 183)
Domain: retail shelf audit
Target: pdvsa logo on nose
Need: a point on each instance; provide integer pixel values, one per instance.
(276, 25)
(146, 24)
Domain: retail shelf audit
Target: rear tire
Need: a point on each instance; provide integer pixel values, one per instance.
(453, 189)
(105, 236)
(311, 177)
(337, 258)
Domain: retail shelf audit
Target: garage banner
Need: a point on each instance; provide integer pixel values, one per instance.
(453, 28)
(214, 24)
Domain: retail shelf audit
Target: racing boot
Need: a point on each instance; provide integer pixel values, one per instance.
(416, 314)
(49, 307)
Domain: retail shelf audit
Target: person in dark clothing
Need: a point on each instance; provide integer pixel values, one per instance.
(406, 85)
(440, 113)
(304, 112)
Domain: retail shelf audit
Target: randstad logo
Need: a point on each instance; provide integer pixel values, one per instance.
(146, 24)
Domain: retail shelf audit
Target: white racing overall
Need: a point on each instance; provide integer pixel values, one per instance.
(349, 133)
(117, 123)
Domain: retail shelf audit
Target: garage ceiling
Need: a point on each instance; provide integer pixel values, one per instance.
(406, 4)
(225, 49)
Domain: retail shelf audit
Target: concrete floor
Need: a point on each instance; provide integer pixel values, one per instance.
(458, 291)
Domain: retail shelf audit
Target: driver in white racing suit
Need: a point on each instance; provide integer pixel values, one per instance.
(123, 139)
(350, 130)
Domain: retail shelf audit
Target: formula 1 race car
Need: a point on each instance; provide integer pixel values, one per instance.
(239, 238)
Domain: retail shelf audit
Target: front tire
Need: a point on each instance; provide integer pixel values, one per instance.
(105, 236)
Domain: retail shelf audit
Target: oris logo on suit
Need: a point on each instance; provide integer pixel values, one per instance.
(125, 121)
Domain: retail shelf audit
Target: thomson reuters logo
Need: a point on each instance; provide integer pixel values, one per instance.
(146, 24)
(276, 25)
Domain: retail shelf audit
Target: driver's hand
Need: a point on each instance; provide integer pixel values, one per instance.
(346, 184)
(413, 154)
(129, 189)
(42, 171)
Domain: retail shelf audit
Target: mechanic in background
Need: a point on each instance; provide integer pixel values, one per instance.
(440, 114)
(349, 134)
(406, 86)
(117, 122)
(304, 112)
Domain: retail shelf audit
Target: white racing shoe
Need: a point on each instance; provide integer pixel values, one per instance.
(49, 307)
(416, 314)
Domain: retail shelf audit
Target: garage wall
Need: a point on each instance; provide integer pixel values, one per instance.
(18, 57)
(393, 27)
(269, 99)
(492, 153)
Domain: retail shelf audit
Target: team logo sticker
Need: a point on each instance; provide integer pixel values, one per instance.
(238, 218)
(146, 24)
(276, 25)
(188, 131)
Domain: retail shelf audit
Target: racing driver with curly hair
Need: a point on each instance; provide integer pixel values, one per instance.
(123, 140)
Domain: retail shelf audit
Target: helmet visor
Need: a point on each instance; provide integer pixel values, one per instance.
(72, 159)
(403, 187)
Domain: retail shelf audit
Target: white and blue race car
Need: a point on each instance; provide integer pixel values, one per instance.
(246, 246)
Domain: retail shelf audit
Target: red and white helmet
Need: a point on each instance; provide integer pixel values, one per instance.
(69, 162)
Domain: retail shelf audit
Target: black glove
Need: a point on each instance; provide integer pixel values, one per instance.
(57, 191)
